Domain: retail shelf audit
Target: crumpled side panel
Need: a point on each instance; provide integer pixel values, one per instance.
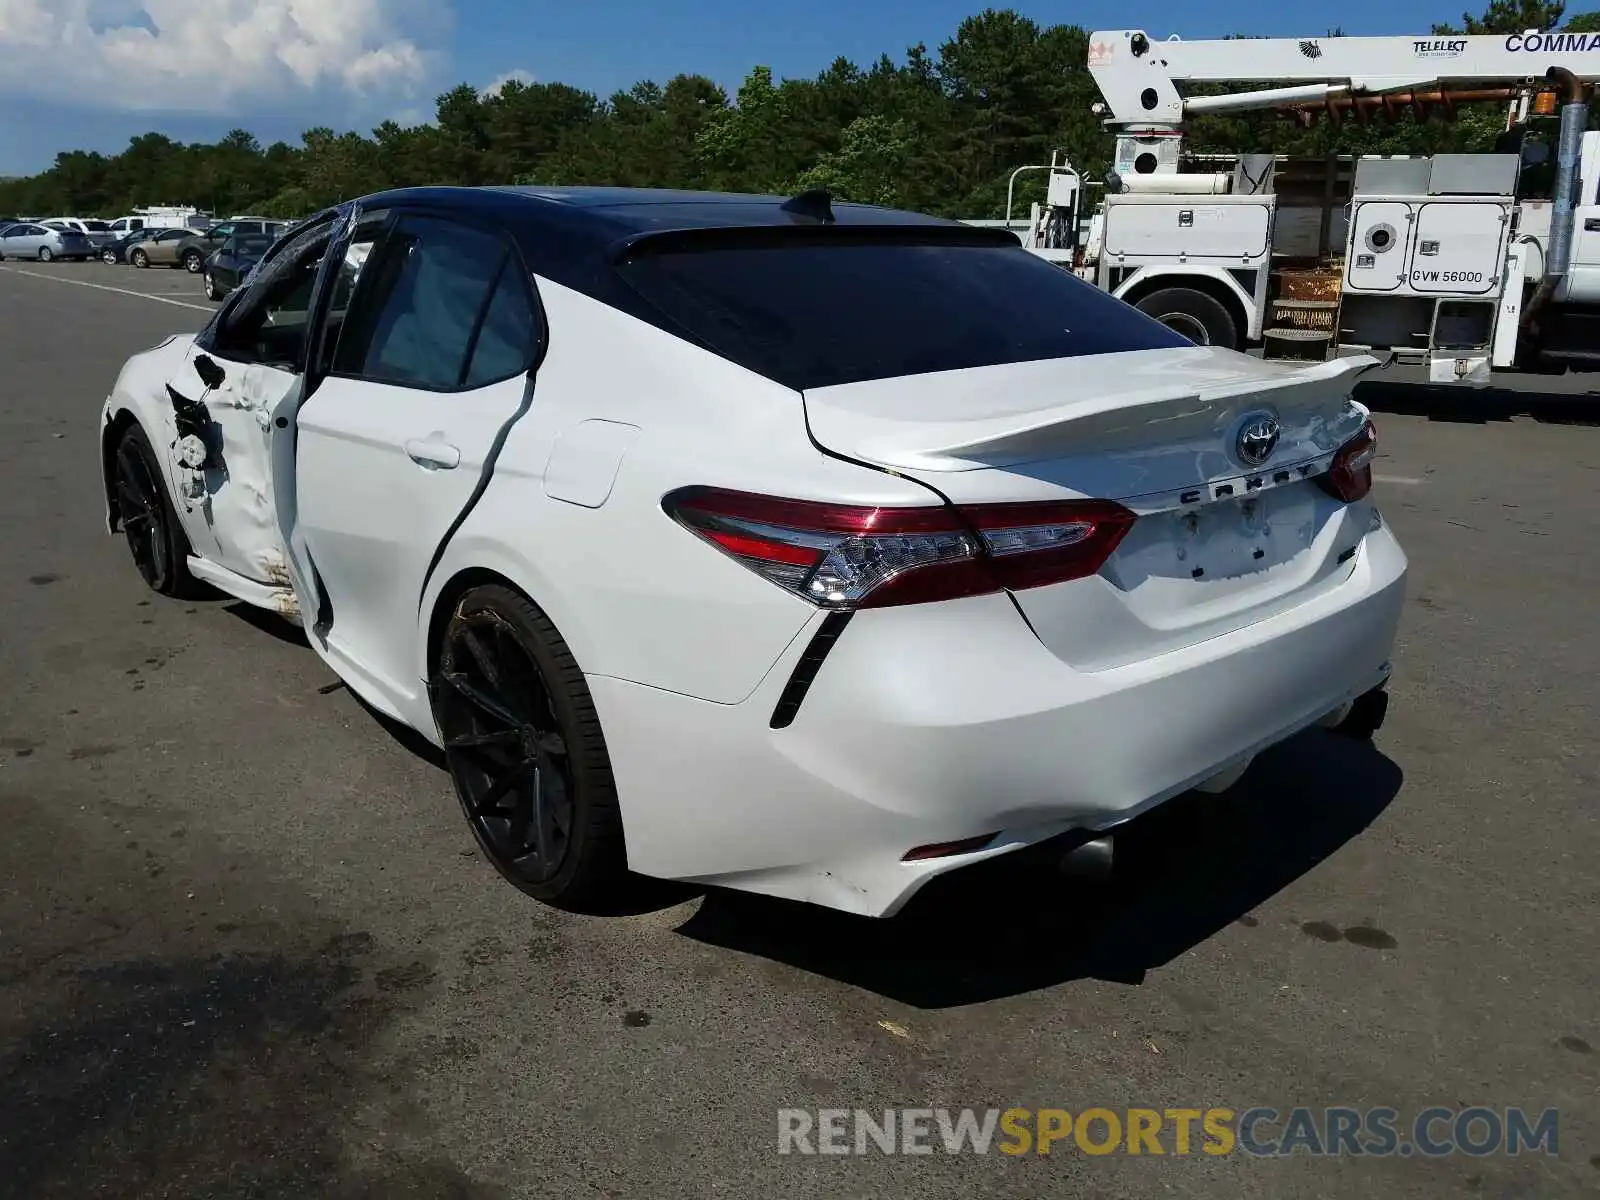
(227, 493)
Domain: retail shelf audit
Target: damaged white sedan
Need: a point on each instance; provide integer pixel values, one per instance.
(807, 549)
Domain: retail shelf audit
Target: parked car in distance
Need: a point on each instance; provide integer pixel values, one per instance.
(158, 248)
(44, 242)
(98, 232)
(232, 262)
(802, 548)
(193, 252)
(114, 252)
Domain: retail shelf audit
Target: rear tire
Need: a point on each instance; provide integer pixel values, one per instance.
(156, 540)
(193, 261)
(1202, 319)
(46, 254)
(525, 750)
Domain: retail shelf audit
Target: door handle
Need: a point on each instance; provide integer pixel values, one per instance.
(1591, 225)
(433, 453)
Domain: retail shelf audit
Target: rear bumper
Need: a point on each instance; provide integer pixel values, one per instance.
(947, 721)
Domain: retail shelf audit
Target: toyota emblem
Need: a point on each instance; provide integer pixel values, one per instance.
(1258, 437)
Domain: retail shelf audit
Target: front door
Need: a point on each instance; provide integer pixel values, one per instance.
(242, 368)
(424, 365)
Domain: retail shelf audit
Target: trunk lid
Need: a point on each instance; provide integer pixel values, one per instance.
(1221, 541)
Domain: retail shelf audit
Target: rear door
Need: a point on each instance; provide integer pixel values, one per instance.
(421, 370)
(161, 249)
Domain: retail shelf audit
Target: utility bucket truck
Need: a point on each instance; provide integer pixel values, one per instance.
(1467, 263)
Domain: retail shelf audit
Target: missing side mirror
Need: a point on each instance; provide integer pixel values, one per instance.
(210, 373)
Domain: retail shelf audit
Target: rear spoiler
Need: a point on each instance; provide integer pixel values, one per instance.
(1031, 434)
(690, 240)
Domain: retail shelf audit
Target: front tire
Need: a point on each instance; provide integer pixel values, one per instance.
(211, 287)
(139, 259)
(525, 750)
(1202, 319)
(109, 257)
(159, 547)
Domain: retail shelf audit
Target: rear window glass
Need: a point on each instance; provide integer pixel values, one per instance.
(813, 315)
(97, 226)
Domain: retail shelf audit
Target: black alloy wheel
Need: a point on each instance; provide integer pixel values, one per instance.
(159, 547)
(523, 745)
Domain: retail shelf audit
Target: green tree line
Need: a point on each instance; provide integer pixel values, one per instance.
(939, 132)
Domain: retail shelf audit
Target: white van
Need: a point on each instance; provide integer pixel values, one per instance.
(160, 218)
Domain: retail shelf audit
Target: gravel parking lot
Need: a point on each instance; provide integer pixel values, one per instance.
(251, 951)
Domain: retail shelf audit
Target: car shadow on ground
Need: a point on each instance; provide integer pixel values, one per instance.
(1478, 405)
(1014, 924)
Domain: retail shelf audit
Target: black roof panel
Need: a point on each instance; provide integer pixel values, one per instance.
(619, 211)
(575, 236)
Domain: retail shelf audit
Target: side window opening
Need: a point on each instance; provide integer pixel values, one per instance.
(343, 302)
(270, 323)
(445, 307)
(506, 333)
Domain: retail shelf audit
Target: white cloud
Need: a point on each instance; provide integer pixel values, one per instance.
(498, 83)
(205, 55)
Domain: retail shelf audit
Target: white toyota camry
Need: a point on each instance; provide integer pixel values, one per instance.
(804, 548)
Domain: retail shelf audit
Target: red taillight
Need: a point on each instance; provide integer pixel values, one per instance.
(840, 556)
(1350, 476)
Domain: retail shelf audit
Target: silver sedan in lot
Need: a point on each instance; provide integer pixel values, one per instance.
(43, 243)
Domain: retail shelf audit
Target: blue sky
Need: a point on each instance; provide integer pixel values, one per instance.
(121, 67)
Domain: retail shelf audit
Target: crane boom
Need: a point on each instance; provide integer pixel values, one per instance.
(1139, 76)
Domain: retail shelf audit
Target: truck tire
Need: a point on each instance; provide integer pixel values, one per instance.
(1530, 359)
(1202, 319)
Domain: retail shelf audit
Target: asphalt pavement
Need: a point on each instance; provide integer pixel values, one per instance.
(247, 947)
